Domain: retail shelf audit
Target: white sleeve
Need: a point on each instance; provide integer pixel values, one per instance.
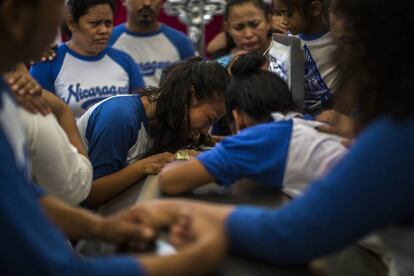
(56, 164)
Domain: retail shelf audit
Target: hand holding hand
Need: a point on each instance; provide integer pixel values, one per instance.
(131, 228)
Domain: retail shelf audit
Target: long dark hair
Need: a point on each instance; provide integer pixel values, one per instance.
(255, 91)
(181, 84)
(381, 73)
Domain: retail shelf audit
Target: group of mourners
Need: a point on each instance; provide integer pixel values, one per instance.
(111, 106)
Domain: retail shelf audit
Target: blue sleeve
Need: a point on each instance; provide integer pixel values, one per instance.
(116, 33)
(41, 72)
(46, 72)
(111, 131)
(258, 153)
(181, 41)
(37, 190)
(129, 65)
(31, 244)
(369, 189)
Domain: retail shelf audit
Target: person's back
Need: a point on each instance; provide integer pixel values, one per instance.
(287, 154)
(56, 165)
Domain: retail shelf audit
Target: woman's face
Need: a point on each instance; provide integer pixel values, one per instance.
(204, 114)
(249, 27)
(92, 32)
(292, 18)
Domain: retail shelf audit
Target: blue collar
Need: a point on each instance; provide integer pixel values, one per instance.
(146, 34)
(85, 58)
(314, 36)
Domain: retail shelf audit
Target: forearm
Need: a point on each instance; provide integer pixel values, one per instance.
(106, 187)
(217, 43)
(68, 123)
(66, 120)
(76, 223)
(183, 176)
(21, 68)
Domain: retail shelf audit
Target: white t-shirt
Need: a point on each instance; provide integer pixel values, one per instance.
(153, 51)
(81, 81)
(57, 166)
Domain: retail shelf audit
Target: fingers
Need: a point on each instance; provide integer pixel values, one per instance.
(162, 157)
(40, 104)
(28, 93)
(49, 55)
(26, 104)
(135, 236)
(181, 233)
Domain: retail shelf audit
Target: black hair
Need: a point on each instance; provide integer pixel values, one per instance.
(230, 44)
(257, 3)
(304, 7)
(78, 8)
(255, 91)
(182, 83)
(382, 74)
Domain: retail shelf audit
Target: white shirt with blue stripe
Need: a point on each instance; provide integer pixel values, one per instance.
(81, 81)
(369, 189)
(115, 133)
(286, 154)
(153, 51)
(321, 72)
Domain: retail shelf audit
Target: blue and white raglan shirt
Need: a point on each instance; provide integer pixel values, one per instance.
(321, 72)
(286, 154)
(153, 51)
(370, 189)
(31, 244)
(115, 133)
(81, 81)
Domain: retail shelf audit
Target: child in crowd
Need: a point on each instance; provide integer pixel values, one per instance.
(287, 153)
(131, 136)
(309, 21)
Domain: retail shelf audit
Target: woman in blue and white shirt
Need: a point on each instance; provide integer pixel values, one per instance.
(274, 146)
(86, 70)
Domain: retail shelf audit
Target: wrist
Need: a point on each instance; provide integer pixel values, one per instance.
(97, 227)
(140, 168)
